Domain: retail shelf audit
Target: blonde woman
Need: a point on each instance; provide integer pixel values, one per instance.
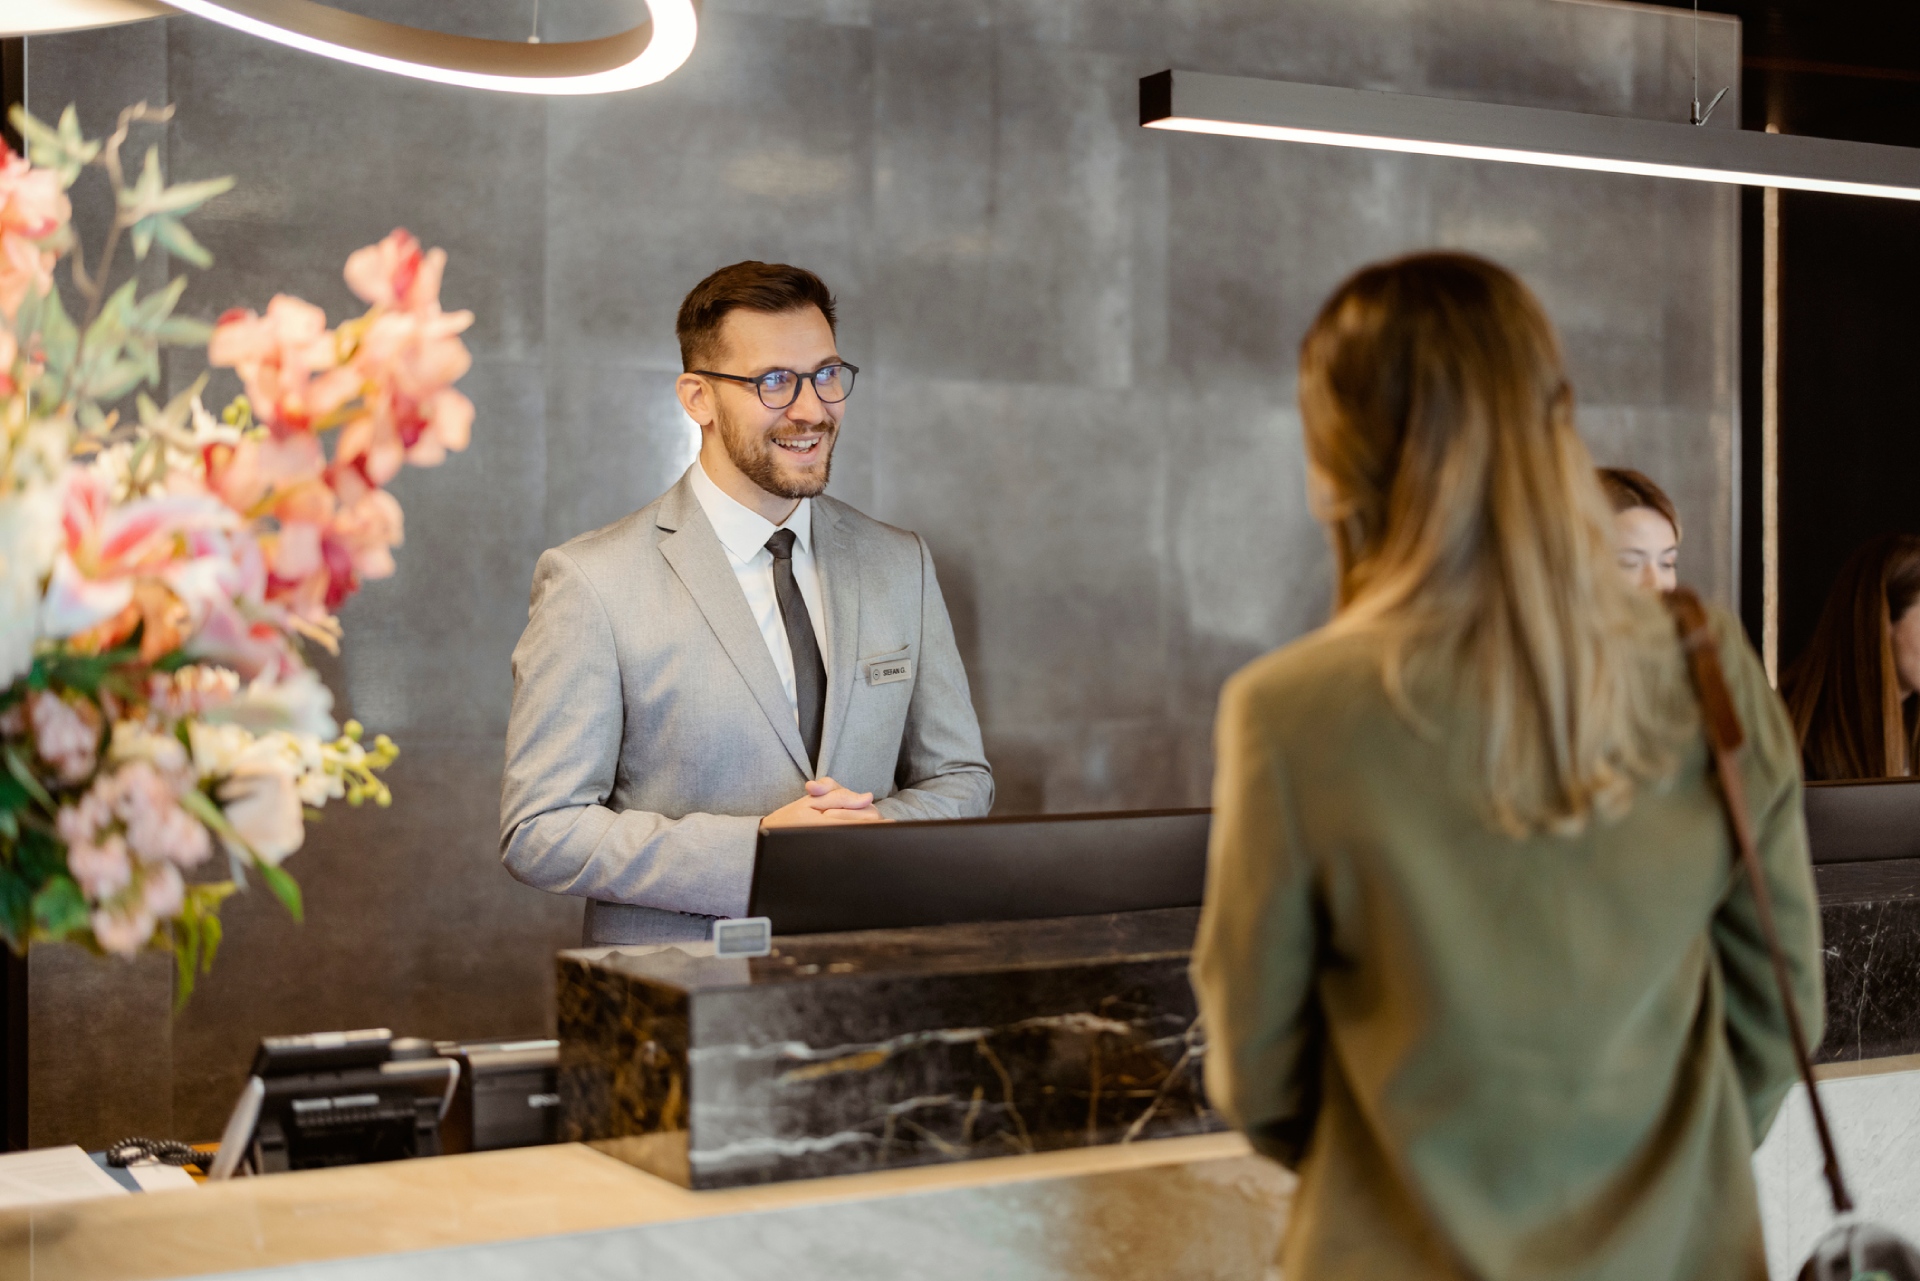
(1474, 958)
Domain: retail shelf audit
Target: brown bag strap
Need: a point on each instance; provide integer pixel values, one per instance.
(1724, 741)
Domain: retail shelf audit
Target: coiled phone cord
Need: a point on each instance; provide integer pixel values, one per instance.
(165, 1151)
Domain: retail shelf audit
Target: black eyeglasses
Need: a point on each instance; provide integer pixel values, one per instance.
(778, 388)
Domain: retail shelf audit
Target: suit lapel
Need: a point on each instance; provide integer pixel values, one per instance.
(839, 561)
(693, 551)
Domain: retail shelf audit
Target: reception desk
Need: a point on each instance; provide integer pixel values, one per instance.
(1064, 1133)
(1189, 1209)
(1198, 1208)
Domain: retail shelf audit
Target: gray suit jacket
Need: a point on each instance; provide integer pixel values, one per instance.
(650, 731)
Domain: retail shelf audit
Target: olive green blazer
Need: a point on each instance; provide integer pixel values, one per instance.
(1492, 1057)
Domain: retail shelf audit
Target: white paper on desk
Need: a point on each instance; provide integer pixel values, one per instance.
(161, 1178)
(52, 1174)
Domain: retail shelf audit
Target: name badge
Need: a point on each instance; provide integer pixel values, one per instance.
(887, 670)
(745, 936)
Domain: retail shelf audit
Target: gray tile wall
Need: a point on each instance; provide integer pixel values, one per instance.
(1079, 340)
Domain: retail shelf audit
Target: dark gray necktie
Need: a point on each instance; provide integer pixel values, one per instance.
(809, 672)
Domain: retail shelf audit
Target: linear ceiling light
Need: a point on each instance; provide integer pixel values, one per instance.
(642, 55)
(1245, 108)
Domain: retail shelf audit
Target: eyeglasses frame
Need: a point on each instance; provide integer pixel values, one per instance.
(798, 378)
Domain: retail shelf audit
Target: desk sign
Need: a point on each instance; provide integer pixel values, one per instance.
(747, 936)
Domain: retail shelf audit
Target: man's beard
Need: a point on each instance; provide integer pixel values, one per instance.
(757, 458)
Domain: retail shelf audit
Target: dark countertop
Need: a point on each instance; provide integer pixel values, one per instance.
(982, 948)
(1877, 881)
(1000, 946)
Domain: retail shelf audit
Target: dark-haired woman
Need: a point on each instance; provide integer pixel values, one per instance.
(1851, 691)
(1646, 529)
(1474, 957)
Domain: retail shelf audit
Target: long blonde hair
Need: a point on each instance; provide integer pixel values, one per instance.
(1469, 530)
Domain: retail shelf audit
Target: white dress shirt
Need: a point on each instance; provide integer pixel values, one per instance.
(744, 533)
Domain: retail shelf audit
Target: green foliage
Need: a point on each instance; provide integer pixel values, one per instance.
(16, 909)
(22, 774)
(59, 343)
(153, 210)
(201, 806)
(13, 799)
(120, 349)
(284, 888)
(32, 866)
(60, 909)
(196, 937)
(115, 348)
(82, 673)
(39, 856)
(60, 148)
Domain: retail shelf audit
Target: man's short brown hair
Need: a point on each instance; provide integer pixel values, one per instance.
(769, 287)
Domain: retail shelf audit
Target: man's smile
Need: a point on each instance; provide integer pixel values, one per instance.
(803, 445)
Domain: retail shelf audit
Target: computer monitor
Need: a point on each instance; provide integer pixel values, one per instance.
(1866, 820)
(816, 880)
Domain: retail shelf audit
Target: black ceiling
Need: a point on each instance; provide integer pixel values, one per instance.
(1830, 68)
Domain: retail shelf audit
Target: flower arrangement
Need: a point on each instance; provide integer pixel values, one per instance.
(161, 569)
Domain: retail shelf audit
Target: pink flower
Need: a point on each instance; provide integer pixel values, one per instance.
(288, 362)
(252, 641)
(33, 211)
(163, 891)
(81, 821)
(369, 530)
(102, 867)
(193, 690)
(395, 273)
(409, 361)
(67, 735)
(158, 829)
(256, 473)
(108, 549)
(123, 933)
(312, 570)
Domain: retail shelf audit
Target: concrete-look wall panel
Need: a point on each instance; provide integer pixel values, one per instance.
(1078, 340)
(1089, 633)
(330, 157)
(1006, 252)
(758, 148)
(426, 650)
(616, 439)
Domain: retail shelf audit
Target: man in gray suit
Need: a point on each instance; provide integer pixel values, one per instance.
(741, 653)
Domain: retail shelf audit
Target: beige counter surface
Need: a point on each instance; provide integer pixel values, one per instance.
(456, 1202)
(1191, 1209)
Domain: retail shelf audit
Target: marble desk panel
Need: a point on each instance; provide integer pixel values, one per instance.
(1870, 928)
(878, 1049)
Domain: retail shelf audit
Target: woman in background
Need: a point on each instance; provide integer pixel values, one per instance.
(1851, 691)
(1470, 960)
(1646, 529)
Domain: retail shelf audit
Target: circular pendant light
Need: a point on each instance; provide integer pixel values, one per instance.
(49, 17)
(641, 55)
